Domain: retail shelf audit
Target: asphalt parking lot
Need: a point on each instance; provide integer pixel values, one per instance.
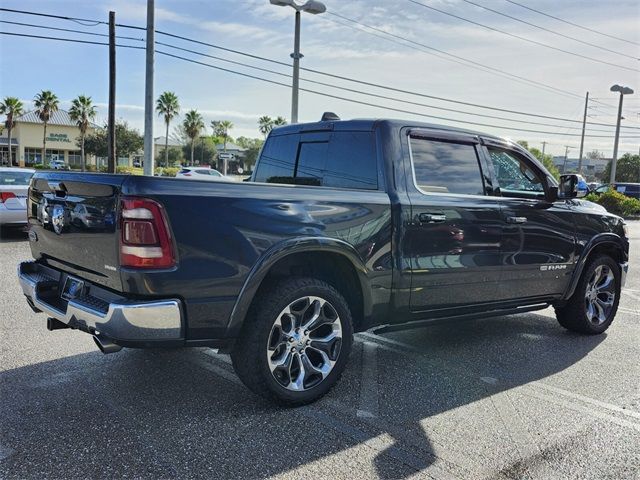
(504, 397)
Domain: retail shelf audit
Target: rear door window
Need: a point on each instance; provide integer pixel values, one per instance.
(446, 167)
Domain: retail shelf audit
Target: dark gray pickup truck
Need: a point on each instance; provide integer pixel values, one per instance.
(344, 226)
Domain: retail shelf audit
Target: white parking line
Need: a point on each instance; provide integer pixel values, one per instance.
(585, 399)
(381, 444)
(406, 349)
(629, 294)
(369, 382)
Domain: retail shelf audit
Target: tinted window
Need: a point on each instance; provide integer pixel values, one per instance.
(347, 160)
(312, 159)
(15, 178)
(514, 173)
(446, 167)
(278, 159)
(352, 161)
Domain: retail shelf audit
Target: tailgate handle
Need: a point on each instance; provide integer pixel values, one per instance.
(517, 220)
(432, 217)
(58, 188)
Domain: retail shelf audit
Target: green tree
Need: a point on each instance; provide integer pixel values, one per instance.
(46, 104)
(279, 121)
(193, 125)
(627, 169)
(252, 148)
(265, 124)
(128, 141)
(167, 107)
(11, 107)
(82, 112)
(546, 159)
(204, 151)
(221, 129)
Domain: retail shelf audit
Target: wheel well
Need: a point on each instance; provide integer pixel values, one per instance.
(610, 249)
(333, 268)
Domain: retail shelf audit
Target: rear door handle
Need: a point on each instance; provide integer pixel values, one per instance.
(432, 218)
(516, 219)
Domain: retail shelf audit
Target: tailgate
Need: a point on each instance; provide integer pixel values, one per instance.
(73, 224)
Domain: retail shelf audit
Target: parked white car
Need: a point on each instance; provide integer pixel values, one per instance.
(14, 186)
(202, 173)
(59, 165)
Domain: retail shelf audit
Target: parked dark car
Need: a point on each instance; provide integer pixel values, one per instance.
(629, 189)
(344, 226)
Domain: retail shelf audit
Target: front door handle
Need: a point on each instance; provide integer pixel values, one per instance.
(517, 220)
(432, 218)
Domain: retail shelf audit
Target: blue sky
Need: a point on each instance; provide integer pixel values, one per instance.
(30, 65)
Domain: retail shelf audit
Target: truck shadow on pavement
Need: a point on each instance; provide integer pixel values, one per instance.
(182, 413)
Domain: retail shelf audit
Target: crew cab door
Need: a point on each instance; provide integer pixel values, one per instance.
(538, 239)
(452, 241)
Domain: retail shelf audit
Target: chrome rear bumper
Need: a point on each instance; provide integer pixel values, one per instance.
(101, 312)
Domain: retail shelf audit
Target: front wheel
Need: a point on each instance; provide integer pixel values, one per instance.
(295, 342)
(594, 303)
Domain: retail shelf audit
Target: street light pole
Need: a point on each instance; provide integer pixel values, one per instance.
(148, 91)
(614, 161)
(296, 55)
(311, 6)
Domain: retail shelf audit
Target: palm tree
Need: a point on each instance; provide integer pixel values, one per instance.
(279, 121)
(46, 104)
(168, 107)
(225, 126)
(82, 111)
(193, 125)
(11, 107)
(265, 124)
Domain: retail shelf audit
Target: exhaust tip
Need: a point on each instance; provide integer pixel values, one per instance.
(105, 345)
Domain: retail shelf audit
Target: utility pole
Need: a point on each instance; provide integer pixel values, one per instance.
(584, 124)
(566, 154)
(544, 145)
(111, 120)
(148, 91)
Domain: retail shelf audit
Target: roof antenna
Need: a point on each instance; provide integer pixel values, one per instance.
(329, 117)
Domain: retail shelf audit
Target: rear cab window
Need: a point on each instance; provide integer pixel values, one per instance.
(340, 159)
(15, 178)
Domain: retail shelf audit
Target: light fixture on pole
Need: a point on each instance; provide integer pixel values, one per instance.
(314, 7)
(614, 161)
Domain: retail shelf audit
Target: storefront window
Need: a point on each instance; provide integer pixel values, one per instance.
(55, 155)
(4, 156)
(74, 159)
(32, 156)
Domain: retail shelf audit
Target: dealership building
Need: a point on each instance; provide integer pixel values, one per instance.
(26, 144)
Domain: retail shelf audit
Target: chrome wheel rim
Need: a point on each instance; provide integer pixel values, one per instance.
(600, 295)
(304, 343)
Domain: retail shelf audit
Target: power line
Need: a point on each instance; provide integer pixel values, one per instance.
(550, 30)
(89, 23)
(70, 40)
(353, 80)
(32, 25)
(473, 63)
(525, 39)
(384, 97)
(571, 23)
(246, 75)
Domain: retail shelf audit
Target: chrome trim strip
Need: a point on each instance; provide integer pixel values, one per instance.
(125, 321)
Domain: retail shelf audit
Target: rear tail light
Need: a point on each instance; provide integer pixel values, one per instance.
(145, 237)
(4, 196)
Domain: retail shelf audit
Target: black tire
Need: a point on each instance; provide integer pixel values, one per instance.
(249, 356)
(574, 314)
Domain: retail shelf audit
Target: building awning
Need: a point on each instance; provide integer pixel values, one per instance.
(5, 141)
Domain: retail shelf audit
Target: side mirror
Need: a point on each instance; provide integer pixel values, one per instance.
(570, 187)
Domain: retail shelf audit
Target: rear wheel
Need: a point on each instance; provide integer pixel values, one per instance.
(295, 342)
(594, 303)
